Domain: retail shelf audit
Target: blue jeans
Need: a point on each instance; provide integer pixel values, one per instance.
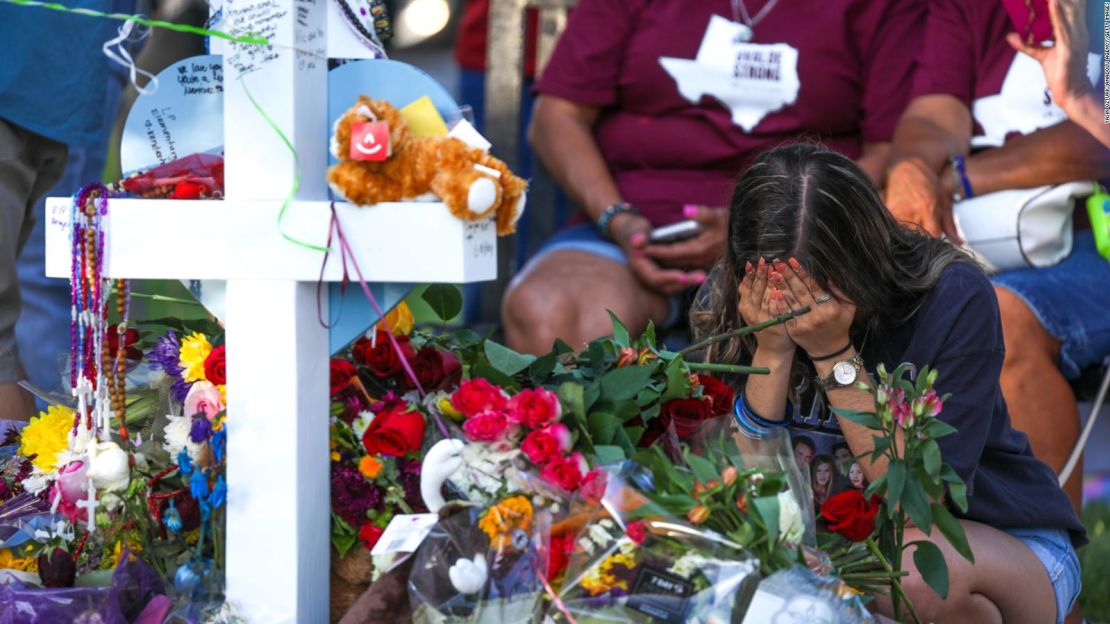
(1053, 547)
(1072, 302)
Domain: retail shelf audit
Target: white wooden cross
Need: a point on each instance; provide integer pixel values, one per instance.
(278, 544)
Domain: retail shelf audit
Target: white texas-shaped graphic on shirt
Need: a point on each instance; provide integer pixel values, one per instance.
(1023, 105)
(750, 79)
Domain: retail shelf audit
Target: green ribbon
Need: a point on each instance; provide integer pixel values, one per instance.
(296, 176)
(249, 38)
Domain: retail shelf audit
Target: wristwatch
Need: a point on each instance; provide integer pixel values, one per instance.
(844, 373)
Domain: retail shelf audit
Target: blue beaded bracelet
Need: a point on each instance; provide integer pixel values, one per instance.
(756, 424)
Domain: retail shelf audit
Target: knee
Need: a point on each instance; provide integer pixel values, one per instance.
(1027, 342)
(532, 308)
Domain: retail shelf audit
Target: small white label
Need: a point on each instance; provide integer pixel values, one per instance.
(404, 533)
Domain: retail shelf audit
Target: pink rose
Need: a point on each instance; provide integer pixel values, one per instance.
(478, 395)
(544, 445)
(566, 472)
(486, 427)
(71, 486)
(203, 398)
(534, 408)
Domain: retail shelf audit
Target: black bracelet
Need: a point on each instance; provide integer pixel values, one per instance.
(818, 358)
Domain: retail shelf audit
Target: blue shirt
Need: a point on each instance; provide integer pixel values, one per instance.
(53, 77)
(958, 332)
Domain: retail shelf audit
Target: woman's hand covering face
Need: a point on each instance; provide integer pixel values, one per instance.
(826, 328)
(755, 307)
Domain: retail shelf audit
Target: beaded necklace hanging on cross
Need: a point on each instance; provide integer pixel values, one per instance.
(97, 382)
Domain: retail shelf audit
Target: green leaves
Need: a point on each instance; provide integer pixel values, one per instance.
(505, 360)
(606, 454)
(931, 565)
(867, 419)
(930, 457)
(445, 300)
(703, 469)
(952, 531)
(768, 509)
(625, 383)
(917, 506)
(620, 332)
(895, 480)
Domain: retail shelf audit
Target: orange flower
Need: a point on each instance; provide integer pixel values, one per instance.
(627, 357)
(370, 467)
(399, 320)
(742, 503)
(701, 489)
(728, 475)
(698, 514)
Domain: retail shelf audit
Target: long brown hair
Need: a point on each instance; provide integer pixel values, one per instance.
(816, 205)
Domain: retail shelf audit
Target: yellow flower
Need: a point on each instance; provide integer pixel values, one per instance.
(46, 436)
(132, 544)
(194, 351)
(449, 410)
(223, 393)
(504, 518)
(370, 467)
(8, 561)
(399, 320)
(335, 456)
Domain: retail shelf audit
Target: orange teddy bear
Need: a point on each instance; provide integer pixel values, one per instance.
(399, 166)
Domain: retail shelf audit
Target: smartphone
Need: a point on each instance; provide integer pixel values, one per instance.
(1030, 19)
(676, 232)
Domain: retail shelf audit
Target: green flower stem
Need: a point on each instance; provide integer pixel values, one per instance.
(896, 593)
(744, 331)
(729, 368)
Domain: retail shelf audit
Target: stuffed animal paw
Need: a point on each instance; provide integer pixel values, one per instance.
(380, 160)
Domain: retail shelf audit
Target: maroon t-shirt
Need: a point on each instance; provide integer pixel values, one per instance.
(966, 55)
(854, 57)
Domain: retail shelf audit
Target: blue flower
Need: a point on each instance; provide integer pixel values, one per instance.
(172, 518)
(198, 485)
(205, 511)
(184, 463)
(219, 444)
(219, 493)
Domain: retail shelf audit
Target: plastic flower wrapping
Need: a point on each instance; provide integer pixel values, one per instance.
(126, 523)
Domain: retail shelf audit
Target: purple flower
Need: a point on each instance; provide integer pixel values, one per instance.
(409, 478)
(166, 354)
(352, 495)
(180, 389)
(201, 431)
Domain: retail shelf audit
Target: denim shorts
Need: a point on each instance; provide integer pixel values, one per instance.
(1053, 547)
(1072, 302)
(586, 238)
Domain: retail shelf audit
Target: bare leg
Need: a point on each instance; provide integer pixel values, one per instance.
(565, 294)
(1040, 399)
(1007, 583)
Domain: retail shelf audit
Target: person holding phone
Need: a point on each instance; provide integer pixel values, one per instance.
(647, 112)
(984, 119)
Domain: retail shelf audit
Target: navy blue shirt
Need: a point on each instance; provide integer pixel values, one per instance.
(53, 79)
(958, 332)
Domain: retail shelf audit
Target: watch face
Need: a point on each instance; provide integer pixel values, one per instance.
(844, 373)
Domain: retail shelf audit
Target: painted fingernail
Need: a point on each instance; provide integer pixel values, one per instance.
(762, 262)
(681, 279)
(748, 267)
(779, 266)
(776, 295)
(690, 211)
(697, 278)
(794, 264)
(636, 239)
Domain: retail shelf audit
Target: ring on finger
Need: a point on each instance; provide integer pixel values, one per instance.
(822, 298)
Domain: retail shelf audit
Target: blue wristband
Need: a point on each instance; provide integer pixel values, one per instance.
(960, 167)
(756, 424)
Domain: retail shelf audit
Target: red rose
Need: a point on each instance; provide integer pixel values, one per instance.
(486, 427)
(215, 366)
(341, 373)
(130, 337)
(686, 415)
(593, 486)
(188, 190)
(432, 367)
(382, 359)
(395, 431)
(851, 515)
(544, 445)
(478, 395)
(566, 472)
(718, 392)
(636, 532)
(370, 533)
(534, 408)
(558, 555)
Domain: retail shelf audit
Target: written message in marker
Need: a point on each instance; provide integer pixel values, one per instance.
(260, 17)
(200, 77)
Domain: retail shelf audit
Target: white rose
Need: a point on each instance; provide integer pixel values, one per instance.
(791, 526)
(109, 467)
